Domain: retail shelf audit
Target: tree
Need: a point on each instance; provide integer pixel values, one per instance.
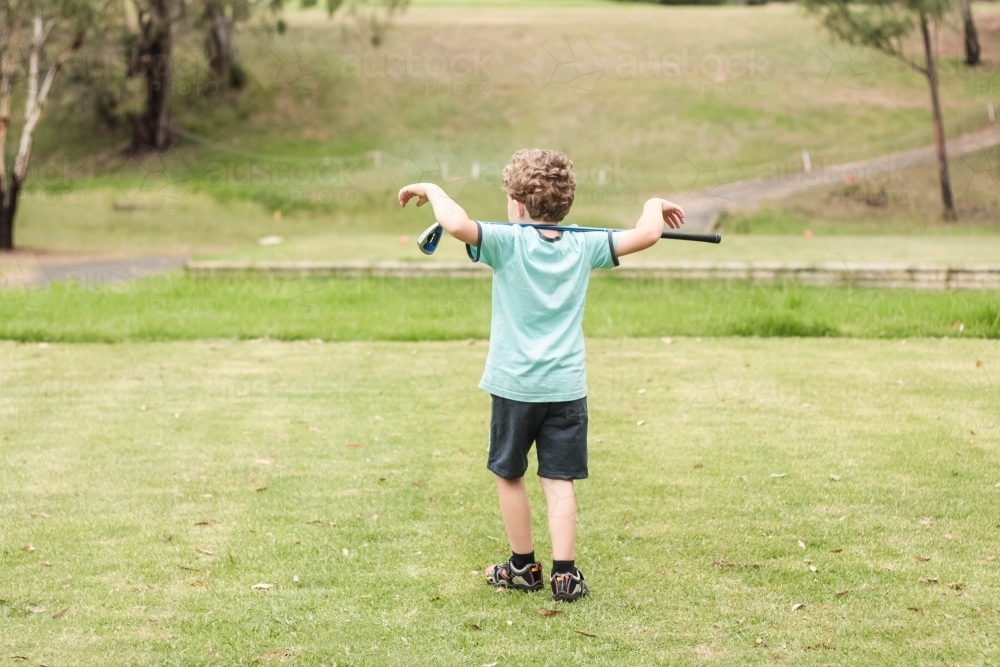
(33, 25)
(972, 50)
(220, 18)
(149, 42)
(886, 25)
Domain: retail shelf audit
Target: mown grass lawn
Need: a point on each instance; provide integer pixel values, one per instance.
(174, 306)
(145, 489)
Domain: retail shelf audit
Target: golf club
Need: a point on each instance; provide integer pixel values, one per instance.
(428, 241)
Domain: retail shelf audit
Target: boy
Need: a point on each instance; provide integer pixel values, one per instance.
(535, 367)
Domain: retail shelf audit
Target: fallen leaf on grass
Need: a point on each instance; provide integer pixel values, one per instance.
(640, 422)
(812, 568)
(36, 515)
(802, 545)
(261, 586)
(355, 445)
(585, 634)
(842, 592)
(405, 641)
(835, 478)
(929, 580)
(209, 522)
(548, 612)
(45, 564)
(28, 547)
(923, 559)
(60, 614)
(956, 585)
(36, 610)
(315, 430)
(927, 521)
(919, 610)
(475, 626)
(797, 606)
(779, 475)
(836, 551)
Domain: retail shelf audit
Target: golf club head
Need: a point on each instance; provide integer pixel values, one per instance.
(429, 239)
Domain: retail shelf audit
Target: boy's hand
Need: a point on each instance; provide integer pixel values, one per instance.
(655, 213)
(672, 214)
(418, 190)
(449, 215)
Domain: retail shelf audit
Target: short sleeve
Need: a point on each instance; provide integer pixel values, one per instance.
(495, 242)
(601, 249)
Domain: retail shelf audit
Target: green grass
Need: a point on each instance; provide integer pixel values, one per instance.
(901, 202)
(652, 126)
(176, 307)
(158, 483)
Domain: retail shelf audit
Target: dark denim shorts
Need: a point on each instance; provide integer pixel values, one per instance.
(559, 429)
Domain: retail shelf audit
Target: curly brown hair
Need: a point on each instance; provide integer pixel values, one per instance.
(543, 181)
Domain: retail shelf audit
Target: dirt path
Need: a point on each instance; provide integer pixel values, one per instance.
(703, 206)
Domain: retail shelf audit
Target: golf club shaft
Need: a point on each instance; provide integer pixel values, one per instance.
(676, 236)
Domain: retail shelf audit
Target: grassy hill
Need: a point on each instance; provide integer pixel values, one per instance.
(646, 99)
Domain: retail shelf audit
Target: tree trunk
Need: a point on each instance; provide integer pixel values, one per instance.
(972, 50)
(152, 61)
(221, 52)
(8, 210)
(939, 141)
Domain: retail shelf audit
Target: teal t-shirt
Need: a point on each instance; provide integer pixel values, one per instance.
(536, 350)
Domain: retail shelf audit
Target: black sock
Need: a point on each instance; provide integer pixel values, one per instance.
(520, 560)
(564, 566)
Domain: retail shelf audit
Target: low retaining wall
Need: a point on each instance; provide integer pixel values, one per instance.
(914, 276)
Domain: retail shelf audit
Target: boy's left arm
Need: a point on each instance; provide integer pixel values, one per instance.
(449, 215)
(649, 227)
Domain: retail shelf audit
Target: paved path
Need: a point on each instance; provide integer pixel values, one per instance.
(703, 207)
(97, 272)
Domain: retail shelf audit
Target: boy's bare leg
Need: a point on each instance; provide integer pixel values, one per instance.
(516, 513)
(560, 495)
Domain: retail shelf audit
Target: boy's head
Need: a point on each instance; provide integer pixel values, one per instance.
(542, 182)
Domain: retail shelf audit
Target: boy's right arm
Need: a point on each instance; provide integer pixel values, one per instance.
(449, 215)
(649, 227)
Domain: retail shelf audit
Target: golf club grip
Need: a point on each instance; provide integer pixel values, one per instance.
(703, 238)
